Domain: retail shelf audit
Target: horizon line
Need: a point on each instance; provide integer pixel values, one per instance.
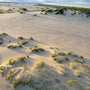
(45, 4)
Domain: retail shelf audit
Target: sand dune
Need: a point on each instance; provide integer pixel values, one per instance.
(44, 52)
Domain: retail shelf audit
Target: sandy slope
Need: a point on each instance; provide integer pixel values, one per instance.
(65, 32)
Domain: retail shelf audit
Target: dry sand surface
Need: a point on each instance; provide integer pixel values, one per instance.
(53, 33)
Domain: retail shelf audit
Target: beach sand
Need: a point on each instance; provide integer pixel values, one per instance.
(66, 32)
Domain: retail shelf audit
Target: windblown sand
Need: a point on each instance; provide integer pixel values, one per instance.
(50, 32)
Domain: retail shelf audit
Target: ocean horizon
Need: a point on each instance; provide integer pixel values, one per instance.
(72, 4)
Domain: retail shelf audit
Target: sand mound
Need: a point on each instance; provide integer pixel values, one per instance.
(70, 71)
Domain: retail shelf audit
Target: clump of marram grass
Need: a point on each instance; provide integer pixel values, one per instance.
(1, 42)
(57, 53)
(76, 60)
(88, 88)
(57, 80)
(11, 46)
(36, 49)
(24, 42)
(57, 59)
(60, 59)
(71, 81)
(14, 46)
(68, 52)
(2, 67)
(73, 65)
(77, 73)
(61, 53)
(1, 38)
(17, 83)
(9, 75)
(46, 10)
(75, 84)
(62, 72)
(19, 46)
(31, 38)
(3, 34)
(64, 57)
(24, 9)
(62, 69)
(35, 14)
(84, 65)
(21, 38)
(81, 56)
(22, 12)
(59, 56)
(1, 72)
(52, 55)
(27, 56)
(39, 64)
(13, 61)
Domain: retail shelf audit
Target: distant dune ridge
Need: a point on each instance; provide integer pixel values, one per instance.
(44, 47)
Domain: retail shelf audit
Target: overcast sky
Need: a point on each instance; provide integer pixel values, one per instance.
(84, 3)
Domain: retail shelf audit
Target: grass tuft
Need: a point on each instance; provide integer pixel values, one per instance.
(1, 72)
(88, 88)
(21, 38)
(36, 49)
(11, 61)
(17, 83)
(24, 42)
(77, 73)
(14, 46)
(73, 65)
(31, 38)
(1, 42)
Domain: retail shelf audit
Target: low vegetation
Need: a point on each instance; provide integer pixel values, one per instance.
(36, 49)
(35, 14)
(1, 38)
(31, 38)
(22, 12)
(73, 65)
(88, 88)
(77, 73)
(75, 85)
(3, 34)
(1, 72)
(19, 59)
(59, 56)
(1, 42)
(2, 67)
(14, 46)
(24, 42)
(62, 71)
(21, 38)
